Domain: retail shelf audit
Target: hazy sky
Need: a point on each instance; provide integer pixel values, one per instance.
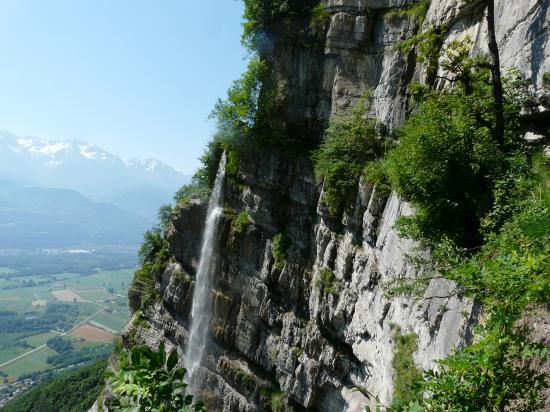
(136, 77)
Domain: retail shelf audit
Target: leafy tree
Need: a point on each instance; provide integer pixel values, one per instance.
(155, 255)
(260, 15)
(447, 163)
(508, 275)
(195, 189)
(237, 114)
(60, 345)
(165, 216)
(153, 243)
(150, 381)
(350, 142)
(498, 92)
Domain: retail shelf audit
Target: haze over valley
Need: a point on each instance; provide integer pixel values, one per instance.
(72, 217)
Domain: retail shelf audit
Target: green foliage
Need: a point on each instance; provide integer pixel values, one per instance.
(246, 120)
(277, 400)
(204, 178)
(327, 282)
(73, 391)
(237, 114)
(85, 355)
(191, 191)
(407, 377)
(280, 247)
(150, 381)
(447, 163)
(154, 254)
(428, 49)
(57, 316)
(486, 376)
(546, 79)
(508, 275)
(415, 11)
(320, 15)
(241, 223)
(350, 142)
(60, 345)
(153, 244)
(165, 216)
(443, 165)
(511, 270)
(375, 172)
(260, 15)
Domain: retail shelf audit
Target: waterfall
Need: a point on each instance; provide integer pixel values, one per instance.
(200, 312)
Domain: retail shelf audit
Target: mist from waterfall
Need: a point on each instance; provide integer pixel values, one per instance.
(201, 310)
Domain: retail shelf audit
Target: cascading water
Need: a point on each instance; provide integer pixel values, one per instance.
(200, 312)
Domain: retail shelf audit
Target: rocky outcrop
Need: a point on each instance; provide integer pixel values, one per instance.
(280, 331)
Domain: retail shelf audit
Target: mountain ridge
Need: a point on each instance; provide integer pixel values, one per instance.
(79, 166)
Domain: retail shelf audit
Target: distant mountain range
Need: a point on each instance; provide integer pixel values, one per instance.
(79, 166)
(32, 217)
(56, 194)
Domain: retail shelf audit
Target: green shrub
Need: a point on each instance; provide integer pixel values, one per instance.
(415, 11)
(280, 247)
(155, 255)
(205, 176)
(241, 223)
(546, 79)
(320, 15)
(165, 216)
(445, 164)
(375, 172)
(259, 16)
(327, 282)
(277, 400)
(237, 114)
(191, 191)
(350, 142)
(149, 380)
(508, 276)
(153, 244)
(407, 377)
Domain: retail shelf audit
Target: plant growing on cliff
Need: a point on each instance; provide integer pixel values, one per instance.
(280, 247)
(261, 15)
(195, 190)
(447, 162)
(509, 277)
(350, 142)
(327, 282)
(237, 114)
(154, 254)
(415, 11)
(407, 377)
(241, 223)
(149, 380)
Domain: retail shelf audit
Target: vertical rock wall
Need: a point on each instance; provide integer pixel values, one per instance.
(275, 328)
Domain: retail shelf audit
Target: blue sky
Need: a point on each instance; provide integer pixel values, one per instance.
(136, 77)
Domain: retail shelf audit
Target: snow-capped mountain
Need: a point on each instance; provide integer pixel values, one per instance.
(80, 166)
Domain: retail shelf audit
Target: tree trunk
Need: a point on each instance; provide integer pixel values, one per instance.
(498, 94)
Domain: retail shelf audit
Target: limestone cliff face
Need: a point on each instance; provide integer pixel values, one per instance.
(274, 326)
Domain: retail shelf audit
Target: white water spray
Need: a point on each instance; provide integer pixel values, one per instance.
(200, 312)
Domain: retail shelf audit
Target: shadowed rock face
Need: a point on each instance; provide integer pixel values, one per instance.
(275, 328)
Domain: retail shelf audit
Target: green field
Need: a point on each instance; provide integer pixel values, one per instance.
(20, 299)
(35, 362)
(40, 339)
(103, 290)
(112, 321)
